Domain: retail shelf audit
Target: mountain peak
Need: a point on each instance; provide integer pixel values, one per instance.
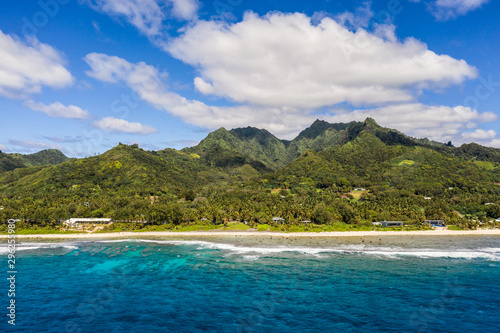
(220, 132)
(371, 122)
(250, 133)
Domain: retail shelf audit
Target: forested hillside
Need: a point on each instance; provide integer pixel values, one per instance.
(10, 162)
(329, 174)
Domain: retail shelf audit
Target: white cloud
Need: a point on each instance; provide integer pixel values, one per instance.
(111, 124)
(147, 82)
(284, 60)
(486, 138)
(359, 19)
(480, 135)
(440, 123)
(2, 147)
(107, 68)
(146, 15)
(185, 9)
(65, 139)
(447, 9)
(26, 67)
(58, 110)
(436, 122)
(30, 146)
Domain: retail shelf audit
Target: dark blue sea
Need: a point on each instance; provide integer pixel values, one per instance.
(256, 285)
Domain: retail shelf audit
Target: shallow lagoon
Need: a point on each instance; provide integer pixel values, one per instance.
(260, 284)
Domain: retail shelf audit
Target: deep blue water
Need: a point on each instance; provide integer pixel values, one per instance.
(176, 286)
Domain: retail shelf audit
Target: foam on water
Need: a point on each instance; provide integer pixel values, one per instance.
(254, 252)
(195, 286)
(4, 247)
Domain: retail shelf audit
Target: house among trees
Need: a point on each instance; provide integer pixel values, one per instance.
(278, 220)
(392, 223)
(435, 223)
(76, 221)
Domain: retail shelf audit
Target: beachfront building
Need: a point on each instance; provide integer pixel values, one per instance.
(278, 220)
(435, 223)
(77, 221)
(392, 223)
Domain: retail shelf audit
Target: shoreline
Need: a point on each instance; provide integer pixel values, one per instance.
(129, 234)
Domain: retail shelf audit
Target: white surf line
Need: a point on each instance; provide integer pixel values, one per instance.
(492, 232)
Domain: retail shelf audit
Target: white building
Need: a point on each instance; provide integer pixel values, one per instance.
(278, 220)
(76, 221)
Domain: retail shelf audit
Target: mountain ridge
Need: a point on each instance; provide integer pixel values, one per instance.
(13, 161)
(260, 145)
(238, 174)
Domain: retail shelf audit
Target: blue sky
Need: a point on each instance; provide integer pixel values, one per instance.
(83, 75)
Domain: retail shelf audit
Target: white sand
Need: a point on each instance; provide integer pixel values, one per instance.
(495, 232)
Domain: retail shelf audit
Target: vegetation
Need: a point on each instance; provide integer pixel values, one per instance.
(244, 177)
(10, 162)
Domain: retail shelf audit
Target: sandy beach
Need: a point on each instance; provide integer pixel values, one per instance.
(494, 232)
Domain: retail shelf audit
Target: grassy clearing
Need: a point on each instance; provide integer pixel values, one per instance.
(454, 227)
(41, 232)
(406, 162)
(485, 165)
(357, 194)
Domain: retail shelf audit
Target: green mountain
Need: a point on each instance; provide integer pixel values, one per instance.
(367, 161)
(240, 146)
(252, 146)
(122, 168)
(8, 163)
(236, 174)
(48, 156)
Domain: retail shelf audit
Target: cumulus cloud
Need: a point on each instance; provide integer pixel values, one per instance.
(146, 15)
(58, 110)
(26, 67)
(486, 138)
(284, 60)
(480, 135)
(448, 9)
(112, 124)
(440, 123)
(148, 83)
(185, 9)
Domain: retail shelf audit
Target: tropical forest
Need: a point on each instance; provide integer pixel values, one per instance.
(342, 176)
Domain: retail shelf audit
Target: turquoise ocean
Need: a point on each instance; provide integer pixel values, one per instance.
(259, 284)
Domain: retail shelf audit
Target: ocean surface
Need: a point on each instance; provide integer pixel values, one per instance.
(257, 284)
